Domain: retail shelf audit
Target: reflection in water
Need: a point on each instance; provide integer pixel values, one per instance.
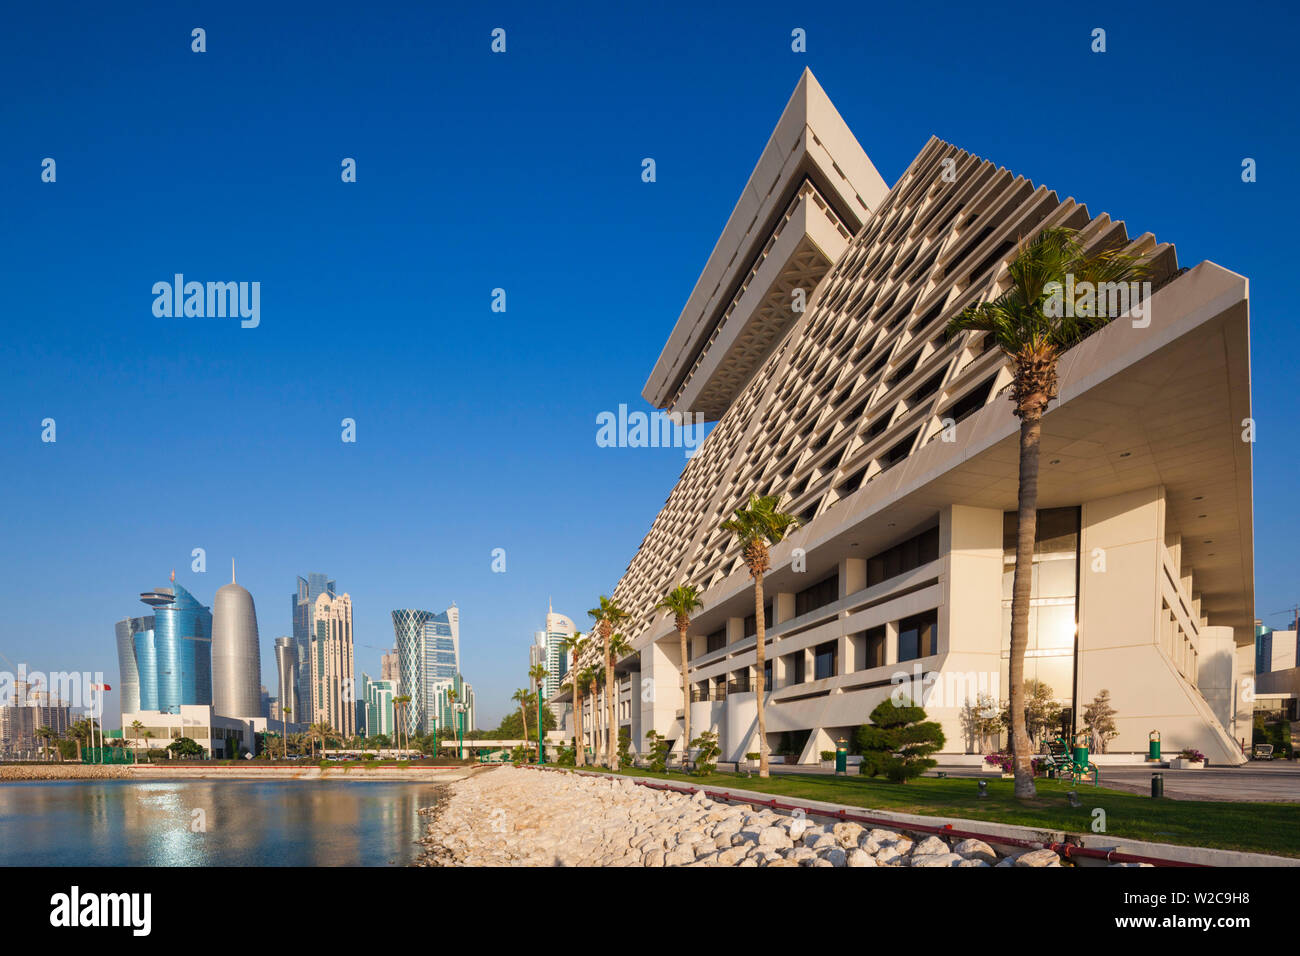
(210, 823)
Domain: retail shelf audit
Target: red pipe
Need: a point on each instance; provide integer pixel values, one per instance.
(1065, 850)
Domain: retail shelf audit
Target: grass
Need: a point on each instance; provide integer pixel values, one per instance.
(1255, 827)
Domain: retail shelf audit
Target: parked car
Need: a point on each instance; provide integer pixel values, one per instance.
(1263, 752)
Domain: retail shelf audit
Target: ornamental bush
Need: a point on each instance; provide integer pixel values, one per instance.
(898, 741)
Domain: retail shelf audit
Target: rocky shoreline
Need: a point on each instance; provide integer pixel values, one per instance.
(516, 817)
(62, 771)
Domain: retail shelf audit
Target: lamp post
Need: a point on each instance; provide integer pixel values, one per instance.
(540, 756)
(460, 731)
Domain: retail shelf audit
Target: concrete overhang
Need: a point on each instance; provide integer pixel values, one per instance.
(1138, 408)
(811, 191)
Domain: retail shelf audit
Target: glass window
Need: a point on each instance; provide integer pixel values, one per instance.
(825, 660)
(918, 636)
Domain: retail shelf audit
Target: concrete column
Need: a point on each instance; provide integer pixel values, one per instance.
(735, 629)
(853, 576)
(891, 642)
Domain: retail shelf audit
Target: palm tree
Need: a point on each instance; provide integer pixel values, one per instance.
(595, 676)
(1023, 325)
(80, 731)
(608, 616)
(537, 674)
(137, 728)
(681, 602)
(584, 680)
(576, 645)
(148, 736)
(400, 705)
(43, 734)
(321, 730)
(521, 697)
(757, 527)
(285, 714)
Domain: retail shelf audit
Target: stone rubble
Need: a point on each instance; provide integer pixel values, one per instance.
(510, 816)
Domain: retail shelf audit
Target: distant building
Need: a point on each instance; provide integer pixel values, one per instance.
(428, 652)
(552, 651)
(332, 691)
(286, 667)
(236, 653)
(388, 667)
(303, 602)
(445, 711)
(377, 699)
(221, 736)
(27, 711)
(165, 659)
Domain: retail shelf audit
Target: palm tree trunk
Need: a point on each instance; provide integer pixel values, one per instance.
(686, 696)
(1027, 517)
(523, 715)
(610, 693)
(759, 674)
(579, 756)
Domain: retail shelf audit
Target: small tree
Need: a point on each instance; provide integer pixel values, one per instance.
(1099, 720)
(980, 721)
(706, 753)
(1042, 712)
(624, 747)
(898, 741)
(658, 747)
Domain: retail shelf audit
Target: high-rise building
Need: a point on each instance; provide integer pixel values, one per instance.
(331, 665)
(377, 696)
(428, 650)
(896, 444)
(445, 712)
(236, 653)
(28, 710)
(389, 668)
(286, 667)
(303, 602)
(168, 654)
(551, 651)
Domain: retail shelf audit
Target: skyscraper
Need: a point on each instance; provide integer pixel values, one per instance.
(428, 651)
(303, 602)
(286, 668)
(552, 652)
(236, 654)
(332, 690)
(169, 654)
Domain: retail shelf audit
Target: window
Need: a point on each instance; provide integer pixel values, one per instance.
(826, 660)
(716, 641)
(818, 595)
(904, 557)
(794, 668)
(918, 636)
(751, 622)
(971, 402)
(873, 648)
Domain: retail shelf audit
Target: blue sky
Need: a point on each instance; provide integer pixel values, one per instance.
(475, 429)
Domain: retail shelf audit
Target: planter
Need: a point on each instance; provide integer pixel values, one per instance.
(750, 765)
(992, 768)
(826, 764)
(1178, 763)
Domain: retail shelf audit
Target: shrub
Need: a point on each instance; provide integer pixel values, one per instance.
(659, 747)
(1191, 753)
(624, 747)
(706, 759)
(567, 757)
(898, 741)
(828, 754)
(521, 755)
(753, 756)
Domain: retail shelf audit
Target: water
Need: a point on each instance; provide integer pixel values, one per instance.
(244, 823)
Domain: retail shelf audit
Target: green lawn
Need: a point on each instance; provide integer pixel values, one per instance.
(1258, 827)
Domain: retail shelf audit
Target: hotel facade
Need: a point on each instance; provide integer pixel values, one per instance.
(815, 339)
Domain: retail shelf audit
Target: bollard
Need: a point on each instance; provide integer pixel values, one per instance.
(1153, 745)
(842, 757)
(1157, 785)
(984, 789)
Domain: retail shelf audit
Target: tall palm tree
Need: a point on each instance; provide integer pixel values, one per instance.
(81, 730)
(521, 697)
(285, 714)
(607, 617)
(576, 645)
(585, 680)
(595, 676)
(757, 527)
(321, 730)
(1024, 323)
(137, 728)
(148, 735)
(681, 602)
(44, 734)
(400, 704)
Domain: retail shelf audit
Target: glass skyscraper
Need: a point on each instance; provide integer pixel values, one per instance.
(166, 659)
(428, 652)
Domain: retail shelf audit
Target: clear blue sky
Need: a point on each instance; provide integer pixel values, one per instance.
(476, 430)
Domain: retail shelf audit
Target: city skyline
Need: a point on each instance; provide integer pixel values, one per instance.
(414, 521)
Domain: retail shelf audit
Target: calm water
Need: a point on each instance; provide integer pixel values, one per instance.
(248, 823)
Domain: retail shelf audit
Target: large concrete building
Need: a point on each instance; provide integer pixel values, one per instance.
(815, 338)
